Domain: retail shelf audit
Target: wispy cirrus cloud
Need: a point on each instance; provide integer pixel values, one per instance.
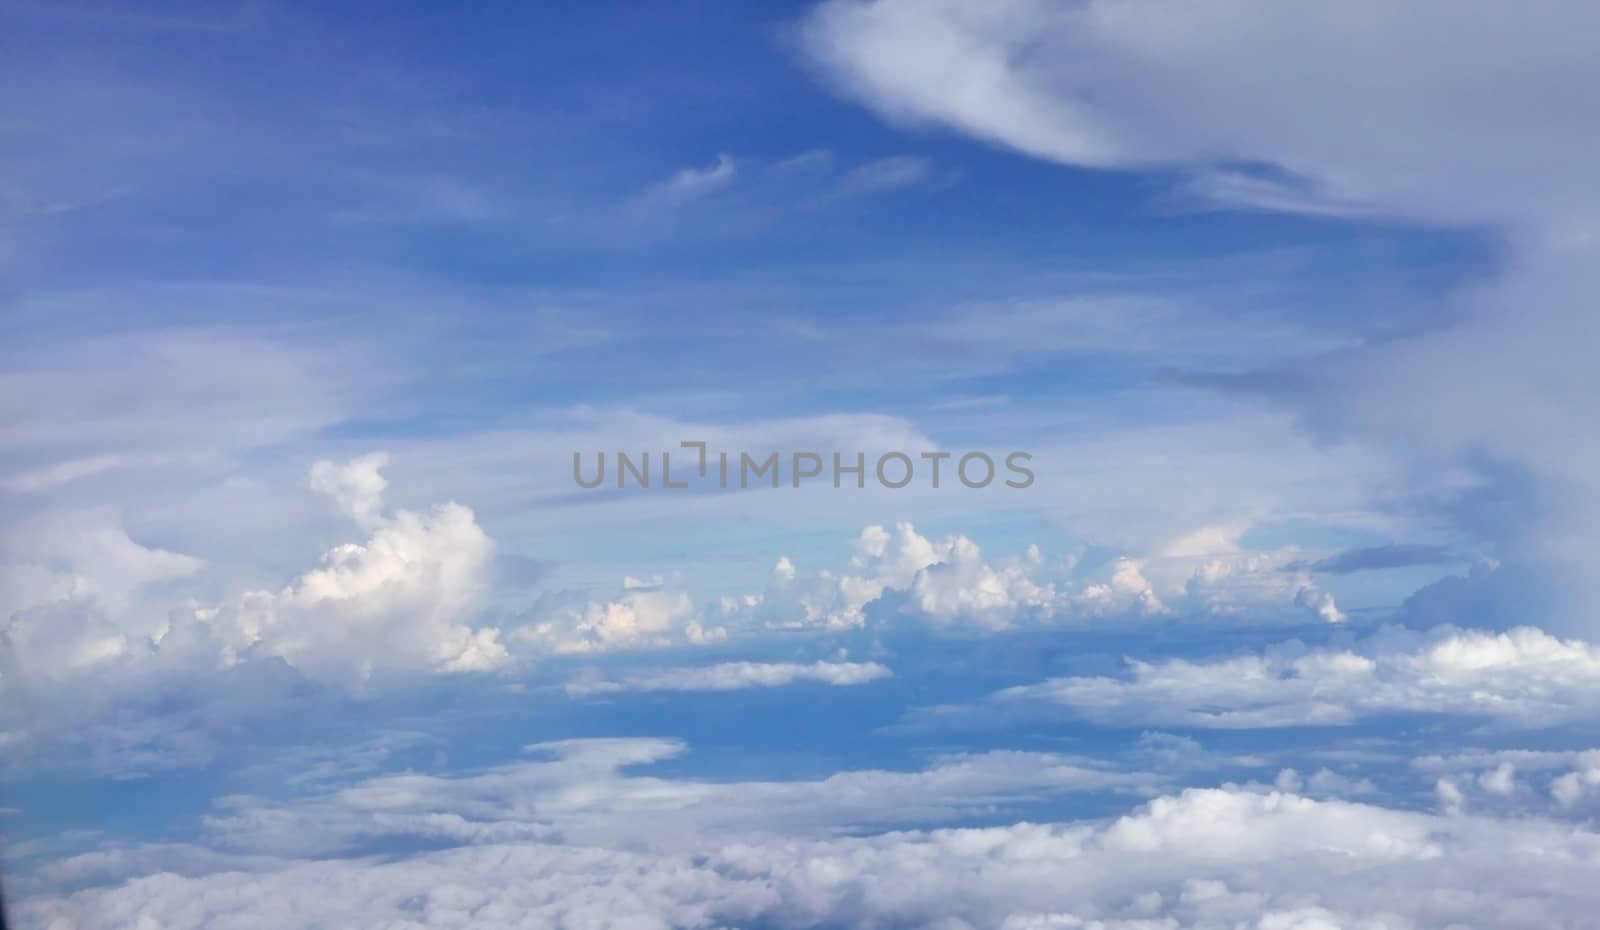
(732, 676)
(1379, 558)
(693, 183)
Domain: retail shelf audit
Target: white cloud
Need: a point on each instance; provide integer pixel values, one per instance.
(1127, 590)
(1208, 570)
(1521, 678)
(357, 485)
(1321, 603)
(82, 556)
(641, 616)
(1160, 81)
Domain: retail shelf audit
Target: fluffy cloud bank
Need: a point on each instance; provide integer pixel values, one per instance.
(1547, 782)
(405, 601)
(943, 581)
(947, 583)
(1521, 678)
(113, 628)
(399, 601)
(571, 842)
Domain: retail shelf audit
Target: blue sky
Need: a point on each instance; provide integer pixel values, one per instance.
(310, 306)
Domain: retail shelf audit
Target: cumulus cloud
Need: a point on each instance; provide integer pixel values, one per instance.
(1126, 590)
(398, 602)
(1521, 678)
(1210, 571)
(949, 583)
(1541, 781)
(1323, 783)
(357, 485)
(1580, 785)
(641, 616)
(734, 676)
(107, 624)
(945, 582)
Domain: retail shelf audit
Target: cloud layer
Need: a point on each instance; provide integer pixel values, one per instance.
(1522, 678)
(638, 851)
